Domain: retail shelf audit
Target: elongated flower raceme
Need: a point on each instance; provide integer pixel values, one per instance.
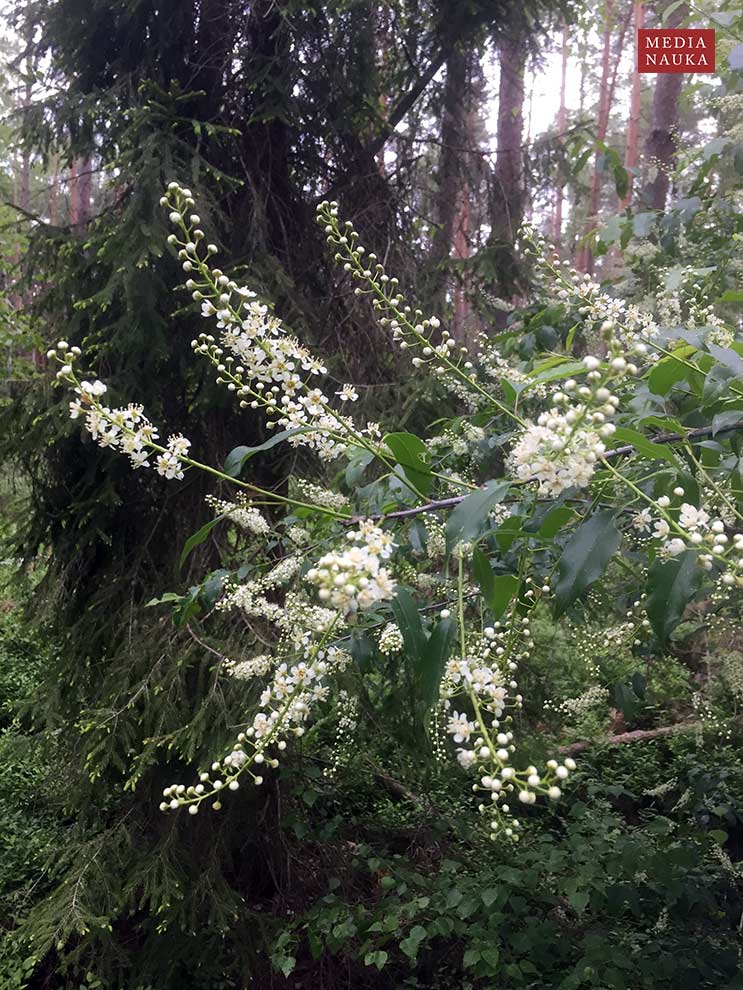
(255, 357)
(479, 693)
(126, 428)
(561, 449)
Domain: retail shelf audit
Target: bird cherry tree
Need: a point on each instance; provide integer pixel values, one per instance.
(613, 438)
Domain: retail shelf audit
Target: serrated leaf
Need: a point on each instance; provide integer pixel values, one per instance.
(412, 455)
(643, 445)
(585, 558)
(672, 584)
(469, 518)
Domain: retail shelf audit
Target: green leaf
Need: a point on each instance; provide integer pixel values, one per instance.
(358, 462)
(727, 358)
(197, 538)
(378, 958)
(666, 373)
(643, 223)
(433, 659)
(732, 295)
(237, 457)
(409, 622)
(412, 455)
(469, 518)
(483, 572)
(671, 586)
(735, 58)
(648, 448)
(585, 558)
(411, 944)
(554, 521)
(497, 589)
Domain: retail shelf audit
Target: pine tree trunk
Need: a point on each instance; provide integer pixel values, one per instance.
(451, 169)
(633, 129)
(561, 127)
(585, 258)
(509, 164)
(660, 147)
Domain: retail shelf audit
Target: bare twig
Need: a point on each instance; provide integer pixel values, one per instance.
(449, 503)
(638, 735)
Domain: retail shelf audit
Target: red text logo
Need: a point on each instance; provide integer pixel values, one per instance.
(676, 50)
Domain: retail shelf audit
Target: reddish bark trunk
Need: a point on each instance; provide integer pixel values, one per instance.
(660, 147)
(633, 129)
(585, 258)
(561, 126)
(508, 171)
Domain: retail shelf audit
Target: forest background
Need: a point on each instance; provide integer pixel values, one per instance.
(439, 126)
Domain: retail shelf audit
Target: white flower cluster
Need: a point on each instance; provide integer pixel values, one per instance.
(255, 357)
(686, 527)
(354, 578)
(285, 706)
(485, 679)
(295, 617)
(347, 719)
(242, 513)
(561, 449)
(246, 670)
(317, 495)
(577, 708)
(126, 428)
(390, 639)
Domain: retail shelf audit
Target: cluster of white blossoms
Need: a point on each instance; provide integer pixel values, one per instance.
(246, 670)
(286, 703)
(684, 526)
(317, 495)
(434, 346)
(390, 639)
(575, 709)
(354, 578)
(125, 428)
(255, 357)
(346, 722)
(485, 680)
(561, 449)
(242, 513)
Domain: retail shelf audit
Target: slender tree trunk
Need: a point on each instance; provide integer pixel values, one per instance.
(462, 251)
(585, 258)
(451, 168)
(74, 194)
(85, 177)
(54, 189)
(509, 168)
(561, 127)
(660, 147)
(633, 129)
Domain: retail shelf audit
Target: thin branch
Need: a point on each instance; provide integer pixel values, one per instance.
(637, 735)
(448, 503)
